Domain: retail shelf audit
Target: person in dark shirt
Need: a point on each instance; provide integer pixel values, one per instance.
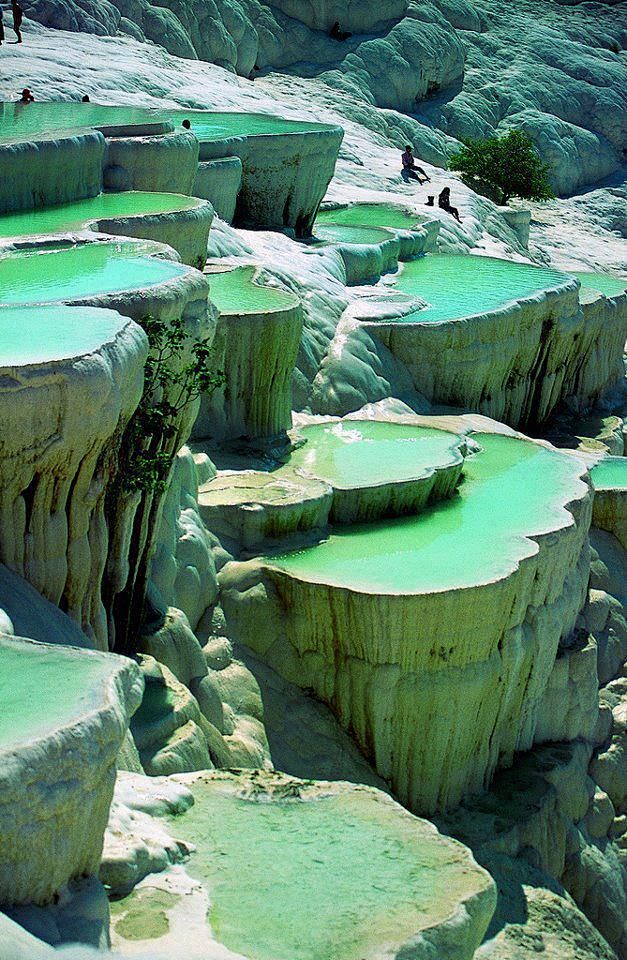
(18, 16)
(26, 96)
(444, 203)
(411, 170)
(337, 33)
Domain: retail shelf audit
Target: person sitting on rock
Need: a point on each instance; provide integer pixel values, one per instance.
(444, 203)
(337, 33)
(18, 16)
(26, 96)
(411, 170)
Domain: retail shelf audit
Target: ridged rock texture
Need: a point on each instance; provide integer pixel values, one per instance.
(63, 419)
(382, 883)
(58, 771)
(392, 663)
(255, 345)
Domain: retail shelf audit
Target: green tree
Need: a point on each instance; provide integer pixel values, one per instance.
(510, 165)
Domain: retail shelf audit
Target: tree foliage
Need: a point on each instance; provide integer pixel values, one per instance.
(178, 370)
(509, 164)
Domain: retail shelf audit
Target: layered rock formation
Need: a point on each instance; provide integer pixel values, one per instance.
(58, 769)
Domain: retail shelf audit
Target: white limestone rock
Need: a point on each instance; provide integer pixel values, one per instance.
(57, 783)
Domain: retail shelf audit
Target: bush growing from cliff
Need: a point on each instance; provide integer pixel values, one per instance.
(510, 165)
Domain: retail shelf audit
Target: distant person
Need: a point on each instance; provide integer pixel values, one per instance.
(18, 16)
(337, 33)
(411, 170)
(444, 203)
(85, 98)
(187, 124)
(26, 96)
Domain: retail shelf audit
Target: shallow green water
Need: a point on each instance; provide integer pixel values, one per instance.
(43, 334)
(217, 126)
(603, 282)
(76, 216)
(43, 689)
(233, 291)
(364, 453)
(511, 489)
(458, 286)
(339, 233)
(329, 878)
(610, 473)
(64, 273)
(369, 214)
(20, 121)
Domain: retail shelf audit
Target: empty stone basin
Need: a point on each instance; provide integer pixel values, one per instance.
(513, 489)
(36, 335)
(609, 478)
(183, 222)
(457, 286)
(378, 468)
(605, 283)
(64, 717)
(299, 870)
(61, 272)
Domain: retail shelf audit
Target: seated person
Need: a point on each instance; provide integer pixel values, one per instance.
(337, 33)
(26, 97)
(411, 170)
(444, 202)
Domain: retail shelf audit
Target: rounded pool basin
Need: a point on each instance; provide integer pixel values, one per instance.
(33, 335)
(61, 272)
(369, 215)
(513, 489)
(366, 453)
(67, 217)
(456, 285)
(610, 474)
(605, 283)
(236, 292)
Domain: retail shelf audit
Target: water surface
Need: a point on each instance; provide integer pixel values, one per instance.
(45, 334)
(456, 285)
(234, 291)
(43, 689)
(66, 217)
(364, 453)
(71, 272)
(512, 489)
(610, 474)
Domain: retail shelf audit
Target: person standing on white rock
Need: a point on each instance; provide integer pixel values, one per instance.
(411, 170)
(18, 16)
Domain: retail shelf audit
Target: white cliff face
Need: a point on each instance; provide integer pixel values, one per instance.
(65, 415)
(554, 72)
